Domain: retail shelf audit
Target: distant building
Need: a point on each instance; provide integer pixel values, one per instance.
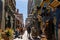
(30, 6)
(28, 20)
(19, 19)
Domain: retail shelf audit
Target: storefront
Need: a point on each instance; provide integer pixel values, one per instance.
(58, 22)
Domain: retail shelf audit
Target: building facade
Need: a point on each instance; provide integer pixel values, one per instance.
(30, 6)
(8, 11)
(0, 11)
(43, 8)
(19, 19)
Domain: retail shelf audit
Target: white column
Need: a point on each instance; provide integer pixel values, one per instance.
(11, 22)
(3, 17)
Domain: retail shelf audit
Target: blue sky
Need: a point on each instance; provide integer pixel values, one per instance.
(22, 6)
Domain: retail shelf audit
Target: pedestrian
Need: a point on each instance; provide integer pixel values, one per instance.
(29, 31)
(17, 32)
(21, 32)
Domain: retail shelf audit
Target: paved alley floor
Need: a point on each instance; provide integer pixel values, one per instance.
(24, 37)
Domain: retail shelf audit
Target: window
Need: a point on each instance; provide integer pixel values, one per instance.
(44, 0)
(38, 7)
(59, 0)
(51, 1)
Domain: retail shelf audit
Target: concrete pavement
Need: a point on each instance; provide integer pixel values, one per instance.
(26, 38)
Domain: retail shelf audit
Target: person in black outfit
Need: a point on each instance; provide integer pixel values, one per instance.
(21, 31)
(17, 32)
(29, 31)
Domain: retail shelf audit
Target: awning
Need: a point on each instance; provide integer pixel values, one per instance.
(54, 4)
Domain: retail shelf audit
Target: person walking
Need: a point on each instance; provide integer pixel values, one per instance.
(21, 32)
(17, 32)
(29, 31)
